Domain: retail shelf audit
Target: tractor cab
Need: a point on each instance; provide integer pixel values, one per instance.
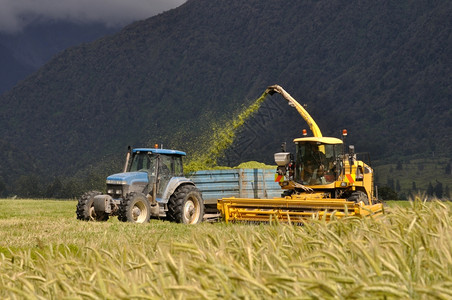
(160, 165)
(148, 160)
(145, 169)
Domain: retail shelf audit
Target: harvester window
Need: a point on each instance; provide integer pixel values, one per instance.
(359, 173)
(315, 163)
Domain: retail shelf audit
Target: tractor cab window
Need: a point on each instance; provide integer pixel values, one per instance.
(178, 169)
(142, 162)
(315, 163)
(166, 171)
(166, 165)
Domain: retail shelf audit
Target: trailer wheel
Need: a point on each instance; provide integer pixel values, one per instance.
(186, 205)
(359, 196)
(85, 208)
(135, 208)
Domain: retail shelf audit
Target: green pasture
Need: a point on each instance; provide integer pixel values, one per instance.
(415, 175)
(45, 253)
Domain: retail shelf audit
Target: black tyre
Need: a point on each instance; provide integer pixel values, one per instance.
(85, 208)
(359, 196)
(186, 205)
(135, 208)
(287, 193)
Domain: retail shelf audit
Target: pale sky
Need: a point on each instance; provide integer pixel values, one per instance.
(16, 14)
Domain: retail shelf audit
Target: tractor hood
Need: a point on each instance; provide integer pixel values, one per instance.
(128, 178)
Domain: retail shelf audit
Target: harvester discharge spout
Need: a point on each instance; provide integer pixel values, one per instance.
(306, 116)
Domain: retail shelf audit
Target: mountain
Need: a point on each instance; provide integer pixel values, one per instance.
(24, 53)
(380, 69)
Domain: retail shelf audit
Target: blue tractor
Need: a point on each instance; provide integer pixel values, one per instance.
(152, 185)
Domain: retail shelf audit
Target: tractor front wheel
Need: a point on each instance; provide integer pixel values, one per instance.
(186, 205)
(135, 208)
(85, 208)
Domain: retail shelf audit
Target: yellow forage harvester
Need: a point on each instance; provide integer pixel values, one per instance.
(321, 180)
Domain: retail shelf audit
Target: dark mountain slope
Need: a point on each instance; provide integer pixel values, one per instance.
(23, 53)
(381, 69)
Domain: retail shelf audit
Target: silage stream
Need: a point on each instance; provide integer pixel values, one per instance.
(222, 139)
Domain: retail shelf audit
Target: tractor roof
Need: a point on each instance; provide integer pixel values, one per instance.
(323, 140)
(160, 151)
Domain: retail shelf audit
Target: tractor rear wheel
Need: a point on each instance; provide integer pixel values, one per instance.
(186, 205)
(135, 208)
(85, 208)
(359, 196)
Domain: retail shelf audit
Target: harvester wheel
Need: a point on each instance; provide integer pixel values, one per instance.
(85, 208)
(359, 196)
(287, 193)
(186, 205)
(135, 208)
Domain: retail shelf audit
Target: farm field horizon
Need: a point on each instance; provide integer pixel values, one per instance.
(45, 252)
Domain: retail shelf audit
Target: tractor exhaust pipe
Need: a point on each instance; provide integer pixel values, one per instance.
(129, 152)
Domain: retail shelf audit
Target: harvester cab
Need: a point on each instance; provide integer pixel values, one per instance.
(321, 179)
(322, 166)
(151, 185)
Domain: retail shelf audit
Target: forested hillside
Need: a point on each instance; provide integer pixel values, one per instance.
(381, 69)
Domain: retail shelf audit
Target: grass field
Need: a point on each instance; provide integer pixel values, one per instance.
(45, 253)
(420, 172)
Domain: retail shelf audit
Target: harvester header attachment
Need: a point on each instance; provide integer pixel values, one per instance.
(295, 209)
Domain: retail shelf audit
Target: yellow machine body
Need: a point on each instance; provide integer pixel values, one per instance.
(323, 181)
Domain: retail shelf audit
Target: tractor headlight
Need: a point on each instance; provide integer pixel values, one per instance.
(114, 192)
(120, 182)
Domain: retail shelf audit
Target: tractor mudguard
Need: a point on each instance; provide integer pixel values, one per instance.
(173, 184)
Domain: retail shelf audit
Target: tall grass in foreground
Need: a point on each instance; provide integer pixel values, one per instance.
(405, 254)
